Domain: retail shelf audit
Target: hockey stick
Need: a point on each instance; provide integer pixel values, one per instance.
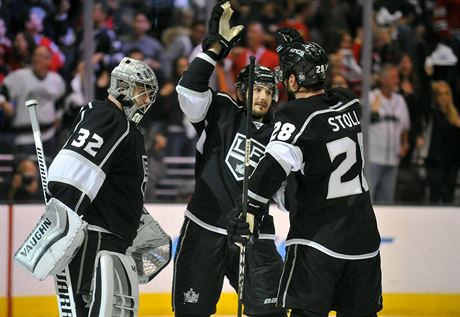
(62, 282)
(247, 161)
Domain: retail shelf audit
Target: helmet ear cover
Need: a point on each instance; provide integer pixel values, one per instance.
(307, 62)
(263, 76)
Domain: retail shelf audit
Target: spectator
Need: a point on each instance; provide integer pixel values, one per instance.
(34, 26)
(338, 80)
(107, 51)
(388, 135)
(152, 49)
(179, 132)
(255, 45)
(409, 88)
(23, 49)
(180, 41)
(5, 50)
(444, 145)
(47, 87)
(25, 184)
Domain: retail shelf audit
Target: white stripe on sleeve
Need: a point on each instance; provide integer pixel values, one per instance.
(74, 169)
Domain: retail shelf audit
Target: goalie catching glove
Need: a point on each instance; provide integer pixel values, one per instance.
(243, 231)
(151, 249)
(219, 30)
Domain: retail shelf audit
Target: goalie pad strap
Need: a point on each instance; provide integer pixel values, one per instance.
(115, 290)
(53, 242)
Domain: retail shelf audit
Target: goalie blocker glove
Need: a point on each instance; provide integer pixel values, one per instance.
(219, 30)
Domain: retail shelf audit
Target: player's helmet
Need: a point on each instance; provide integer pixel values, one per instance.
(125, 77)
(307, 62)
(263, 76)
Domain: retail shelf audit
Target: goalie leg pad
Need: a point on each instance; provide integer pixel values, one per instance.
(115, 286)
(53, 242)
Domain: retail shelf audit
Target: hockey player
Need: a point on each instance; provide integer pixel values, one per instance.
(204, 256)
(332, 249)
(100, 174)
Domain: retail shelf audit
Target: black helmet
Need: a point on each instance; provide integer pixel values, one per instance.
(263, 76)
(307, 62)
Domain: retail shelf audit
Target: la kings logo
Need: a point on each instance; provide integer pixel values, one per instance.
(235, 156)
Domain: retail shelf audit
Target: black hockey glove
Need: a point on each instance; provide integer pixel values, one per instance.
(219, 30)
(284, 37)
(243, 231)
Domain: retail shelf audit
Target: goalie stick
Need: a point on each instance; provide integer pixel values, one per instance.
(62, 283)
(247, 161)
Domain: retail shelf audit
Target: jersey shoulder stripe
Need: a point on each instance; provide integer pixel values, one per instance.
(227, 96)
(319, 112)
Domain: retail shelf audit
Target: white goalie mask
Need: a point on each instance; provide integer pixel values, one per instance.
(134, 82)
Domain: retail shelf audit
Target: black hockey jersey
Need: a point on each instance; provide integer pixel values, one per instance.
(320, 139)
(221, 126)
(101, 171)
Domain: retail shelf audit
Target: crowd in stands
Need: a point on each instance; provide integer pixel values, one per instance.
(414, 131)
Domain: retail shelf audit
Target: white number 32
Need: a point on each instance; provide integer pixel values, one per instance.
(92, 145)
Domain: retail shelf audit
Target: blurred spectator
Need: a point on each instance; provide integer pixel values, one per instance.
(338, 80)
(155, 146)
(107, 50)
(299, 19)
(151, 48)
(25, 183)
(443, 64)
(34, 26)
(5, 50)
(255, 45)
(47, 87)
(64, 34)
(409, 88)
(179, 132)
(443, 145)
(388, 135)
(351, 68)
(385, 50)
(180, 41)
(446, 17)
(23, 48)
(74, 100)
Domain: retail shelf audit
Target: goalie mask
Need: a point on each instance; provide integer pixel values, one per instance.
(134, 83)
(307, 62)
(263, 76)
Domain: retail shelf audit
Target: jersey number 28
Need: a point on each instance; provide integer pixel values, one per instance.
(336, 187)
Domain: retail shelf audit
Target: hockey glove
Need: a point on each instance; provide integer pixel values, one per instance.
(284, 37)
(243, 231)
(219, 30)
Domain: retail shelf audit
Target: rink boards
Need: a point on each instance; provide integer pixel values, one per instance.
(420, 254)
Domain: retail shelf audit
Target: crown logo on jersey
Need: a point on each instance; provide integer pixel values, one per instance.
(191, 296)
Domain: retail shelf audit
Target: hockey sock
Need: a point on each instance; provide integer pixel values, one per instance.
(190, 315)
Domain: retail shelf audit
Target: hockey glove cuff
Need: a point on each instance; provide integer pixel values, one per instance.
(219, 30)
(243, 231)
